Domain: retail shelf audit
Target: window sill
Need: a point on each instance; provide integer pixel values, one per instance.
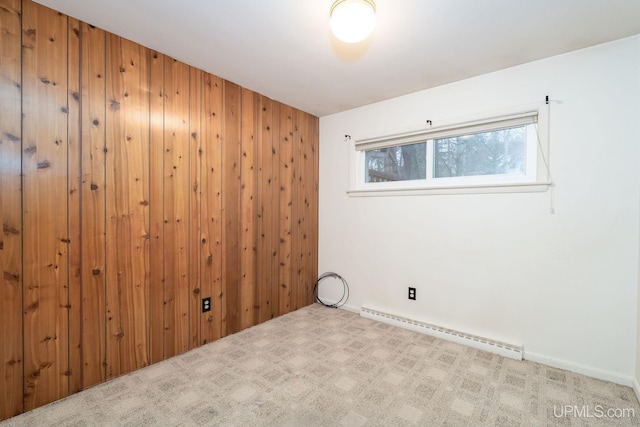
(533, 187)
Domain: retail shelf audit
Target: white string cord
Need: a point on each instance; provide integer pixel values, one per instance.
(546, 158)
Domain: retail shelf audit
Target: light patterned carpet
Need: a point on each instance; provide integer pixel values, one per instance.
(325, 367)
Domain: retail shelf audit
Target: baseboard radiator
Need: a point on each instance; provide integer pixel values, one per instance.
(503, 349)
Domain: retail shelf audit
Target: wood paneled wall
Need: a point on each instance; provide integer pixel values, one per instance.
(132, 186)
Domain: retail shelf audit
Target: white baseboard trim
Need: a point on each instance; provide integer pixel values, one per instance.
(511, 351)
(544, 360)
(581, 369)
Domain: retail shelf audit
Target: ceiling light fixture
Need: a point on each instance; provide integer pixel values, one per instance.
(353, 20)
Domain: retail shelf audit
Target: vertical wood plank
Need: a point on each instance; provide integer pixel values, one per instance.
(156, 207)
(176, 207)
(275, 209)
(11, 357)
(315, 138)
(296, 222)
(231, 145)
(46, 239)
(302, 171)
(249, 305)
(93, 208)
(127, 206)
(195, 169)
(211, 216)
(265, 207)
(314, 131)
(286, 168)
(74, 215)
(309, 168)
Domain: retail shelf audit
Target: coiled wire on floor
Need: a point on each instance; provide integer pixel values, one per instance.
(345, 290)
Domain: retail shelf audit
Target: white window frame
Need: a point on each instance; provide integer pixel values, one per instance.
(535, 177)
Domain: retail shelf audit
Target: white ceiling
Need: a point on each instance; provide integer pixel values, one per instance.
(284, 49)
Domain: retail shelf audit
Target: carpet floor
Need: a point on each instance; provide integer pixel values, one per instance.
(323, 367)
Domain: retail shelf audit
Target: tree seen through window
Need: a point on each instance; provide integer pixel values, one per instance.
(488, 153)
(399, 163)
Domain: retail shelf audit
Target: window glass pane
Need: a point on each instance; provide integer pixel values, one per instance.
(400, 163)
(488, 153)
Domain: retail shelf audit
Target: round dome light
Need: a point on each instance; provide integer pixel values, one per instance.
(353, 20)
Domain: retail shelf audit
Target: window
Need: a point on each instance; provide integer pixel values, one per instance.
(398, 163)
(499, 151)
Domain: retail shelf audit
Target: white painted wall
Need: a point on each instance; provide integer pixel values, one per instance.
(636, 380)
(501, 265)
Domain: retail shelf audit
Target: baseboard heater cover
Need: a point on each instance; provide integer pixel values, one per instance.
(503, 349)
